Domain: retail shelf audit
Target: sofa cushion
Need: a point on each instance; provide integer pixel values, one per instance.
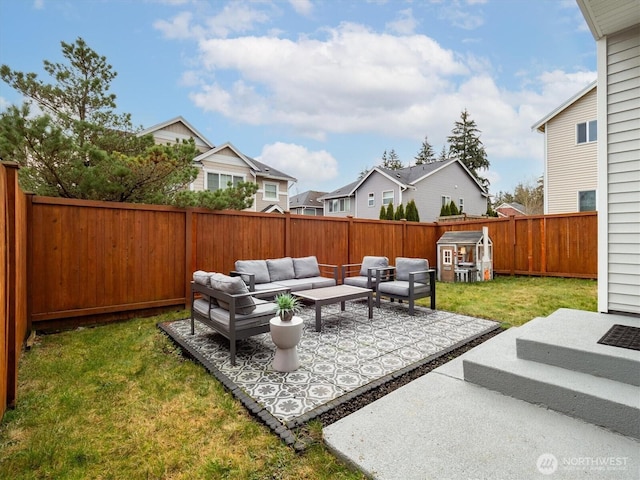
(400, 288)
(202, 278)
(306, 267)
(405, 265)
(372, 262)
(281, 269)
(257, 267)
(233, 286)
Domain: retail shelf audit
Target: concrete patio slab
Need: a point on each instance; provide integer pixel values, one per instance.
(441, 427)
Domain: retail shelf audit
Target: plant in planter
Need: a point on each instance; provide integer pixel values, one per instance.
(288, 306)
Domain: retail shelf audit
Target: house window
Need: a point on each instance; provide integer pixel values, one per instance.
(446, 200)
(371, 201)
(387, 197)
(309, 211)
(340, 205)
(271, 191)
(586, 201)
(446, 257)
(587, 132)
(217, 181)
(460, 204)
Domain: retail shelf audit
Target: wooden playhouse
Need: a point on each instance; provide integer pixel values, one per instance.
(465, 256)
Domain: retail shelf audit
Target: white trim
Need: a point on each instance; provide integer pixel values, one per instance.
(264, 191)
(545, 174)
(207, 171)
(603, 186)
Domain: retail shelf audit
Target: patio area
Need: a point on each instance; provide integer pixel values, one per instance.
(351, 355)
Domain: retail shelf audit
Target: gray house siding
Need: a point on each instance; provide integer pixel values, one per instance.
(376, 183)
(453, 182)
(620, 54)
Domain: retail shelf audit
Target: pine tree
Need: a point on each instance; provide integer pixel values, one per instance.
(383, 213)
(390, 211)
(443, 155)
(412, 212)
(392, 162)
(453, 208)
(399, 215)
(426, 154)
(464, 144)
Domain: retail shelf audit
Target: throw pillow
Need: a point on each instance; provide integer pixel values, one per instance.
(233, 286)
(257, 267)
(281, 269)
(306, 267)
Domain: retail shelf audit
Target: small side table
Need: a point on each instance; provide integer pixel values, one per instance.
(286, 336)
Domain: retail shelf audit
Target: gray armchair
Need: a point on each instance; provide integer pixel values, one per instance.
(363, 274)
(409, 280)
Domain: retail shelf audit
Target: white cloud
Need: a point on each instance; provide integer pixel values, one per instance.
(462, 16)
(302, 7)
(309, 167)
(404, 24)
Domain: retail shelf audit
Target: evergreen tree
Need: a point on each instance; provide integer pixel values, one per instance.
(445, 210)
(390, 215)
(79, 147)
(453, 208)
(426, 154)
(464, 144)
(392, 162)
(443, 155)
(383, 213)
(412, 212)
(399, 215)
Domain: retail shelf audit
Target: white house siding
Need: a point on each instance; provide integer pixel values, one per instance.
(376, 184)
(619, 70)
(453, 182)
(571, 167)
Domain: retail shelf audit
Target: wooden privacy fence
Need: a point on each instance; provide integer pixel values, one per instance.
(13, 273)
(66, 263)
(98, 261)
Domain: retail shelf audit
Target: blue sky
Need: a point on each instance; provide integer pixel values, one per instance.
(321, 88)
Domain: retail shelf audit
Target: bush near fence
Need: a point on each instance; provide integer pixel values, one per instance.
(67, 263)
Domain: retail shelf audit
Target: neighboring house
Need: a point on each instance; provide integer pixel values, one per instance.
(307, 203)
(512, 209)
(177, 129)
(225, 163)
(570, 157)
(615, 24)
(430, 186)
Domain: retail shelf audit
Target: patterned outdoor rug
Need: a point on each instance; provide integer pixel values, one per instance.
(351, 355)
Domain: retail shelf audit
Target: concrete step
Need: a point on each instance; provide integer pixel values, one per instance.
(602, 401)
(568, 339)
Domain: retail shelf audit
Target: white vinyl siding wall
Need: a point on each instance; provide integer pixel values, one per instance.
(571, 167)
(622, 166)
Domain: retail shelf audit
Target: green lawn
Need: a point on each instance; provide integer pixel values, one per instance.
(119, 401)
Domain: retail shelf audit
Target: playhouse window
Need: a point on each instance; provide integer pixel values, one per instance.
(446, 257)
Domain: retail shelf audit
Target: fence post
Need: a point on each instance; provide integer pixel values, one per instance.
(512, 234)
(287, 233)
(13, 350)
(189, 251)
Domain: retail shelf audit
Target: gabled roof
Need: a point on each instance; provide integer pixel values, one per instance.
(539, 125)
(310, 198)
(196, 134)
(515, 205)
(259, 168)
(406, 178)
(468, 237)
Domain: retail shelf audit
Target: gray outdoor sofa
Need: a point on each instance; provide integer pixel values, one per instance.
(226, 305)
(302, 273)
